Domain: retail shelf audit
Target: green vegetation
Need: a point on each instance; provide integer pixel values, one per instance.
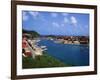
(33, 33)
(43, 61)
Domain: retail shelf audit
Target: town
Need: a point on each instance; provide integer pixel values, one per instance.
(68, 39)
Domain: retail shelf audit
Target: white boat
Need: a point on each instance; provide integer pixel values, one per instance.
(43, 46)
(51, 39)
(38, 40)
(45, 49)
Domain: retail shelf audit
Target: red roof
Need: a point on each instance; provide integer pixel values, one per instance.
(24, 43)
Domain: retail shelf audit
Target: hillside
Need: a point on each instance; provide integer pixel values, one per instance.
(33, 33)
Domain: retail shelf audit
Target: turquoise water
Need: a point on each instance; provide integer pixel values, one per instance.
(76, 55)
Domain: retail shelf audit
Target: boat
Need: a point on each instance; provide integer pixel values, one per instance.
(43, 46)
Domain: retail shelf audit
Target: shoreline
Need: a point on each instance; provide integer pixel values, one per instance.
(62, 41)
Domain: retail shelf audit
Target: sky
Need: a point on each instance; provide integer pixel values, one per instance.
(56, 23)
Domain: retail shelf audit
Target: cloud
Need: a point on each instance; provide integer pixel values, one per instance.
(65, 14)
(62, 24)
(34, 14)
(55, 24)
(25, 16)
(54, 15)
(66, 20)
(86, 26)
(73, 20)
